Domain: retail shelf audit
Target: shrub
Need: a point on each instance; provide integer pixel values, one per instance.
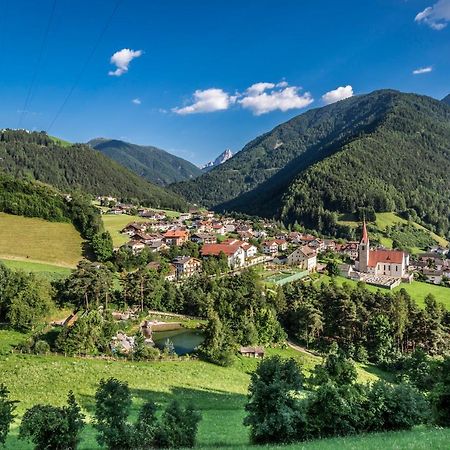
(395, 407)
(41, 347)
(51, 427)
(7, 408)
(273, 410)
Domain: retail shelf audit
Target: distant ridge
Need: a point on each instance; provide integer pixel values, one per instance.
(446, 99)
(151, 163)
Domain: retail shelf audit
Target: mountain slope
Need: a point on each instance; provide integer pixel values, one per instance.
(446, 99)
(385, 150)
(73, 167)
(151, 163)
(223, 157)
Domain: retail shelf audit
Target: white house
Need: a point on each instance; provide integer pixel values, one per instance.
(305, 257)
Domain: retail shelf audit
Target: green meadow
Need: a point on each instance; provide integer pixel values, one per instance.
(32, 240)
(417, 290)
(219, 393)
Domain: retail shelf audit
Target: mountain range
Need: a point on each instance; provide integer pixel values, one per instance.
(68, 167)
(388, 151)
(151, 163)
(223, 157)
(446, 99)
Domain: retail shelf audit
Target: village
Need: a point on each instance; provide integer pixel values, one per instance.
(282, 255)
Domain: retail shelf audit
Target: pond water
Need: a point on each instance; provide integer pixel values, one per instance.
(184, 340)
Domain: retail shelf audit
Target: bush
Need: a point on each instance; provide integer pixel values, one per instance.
(395, 407)
(51, 427)
(441, 396)
(273, 411)
(41, 347)
(7, 408)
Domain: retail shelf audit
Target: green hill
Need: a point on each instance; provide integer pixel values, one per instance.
(151, 163)
(386, 150)
(76, 167)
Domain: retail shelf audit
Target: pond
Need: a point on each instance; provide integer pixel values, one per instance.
(184, 340)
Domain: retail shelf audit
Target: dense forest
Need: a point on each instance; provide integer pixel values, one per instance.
(151, 163)
(76, 167)
(385, 150)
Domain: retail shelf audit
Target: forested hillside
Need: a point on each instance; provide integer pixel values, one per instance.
(386, 150)
(76, 167)
(151, 163)
(446, 99)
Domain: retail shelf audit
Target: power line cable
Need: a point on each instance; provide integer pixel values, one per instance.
(28, 98)
(84, 67)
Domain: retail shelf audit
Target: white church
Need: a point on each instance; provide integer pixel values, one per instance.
(381, 267)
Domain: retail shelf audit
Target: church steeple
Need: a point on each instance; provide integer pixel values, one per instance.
(365, 236)
(364, 249)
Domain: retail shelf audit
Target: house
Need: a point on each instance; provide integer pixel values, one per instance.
(186, 266)
(433, 275)
(305, 257)
(249, 249)
(134, 227)
(380, 262)
(218, 228)
(184, 216)
(317, 244)
(157, 246)
(270, 247)
(175, 237)
(252, 352)
(245, 235)
(203, 238)
(282, 244)
(135, 246)
(349, 249)
(233, 251)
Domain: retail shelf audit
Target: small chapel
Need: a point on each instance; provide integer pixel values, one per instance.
(380, 262)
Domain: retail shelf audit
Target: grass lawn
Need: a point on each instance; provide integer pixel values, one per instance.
(417, 290)
(38, 241)
(46, 270)
(219, 393)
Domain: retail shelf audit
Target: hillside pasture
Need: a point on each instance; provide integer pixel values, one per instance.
(34, 240)
(417, 289)
(219, 393)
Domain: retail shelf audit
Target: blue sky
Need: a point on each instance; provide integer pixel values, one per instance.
(196, 68)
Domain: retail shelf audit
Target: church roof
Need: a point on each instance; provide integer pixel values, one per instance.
(385, 256)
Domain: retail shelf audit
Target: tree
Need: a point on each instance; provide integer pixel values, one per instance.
(146, 427)
(440, 397)
(7, 408)
(380, 338)
(102, 245)
(333, 268)
(112, 407)
(336, 369)
(273, 411)
(51, 427)
(178, 427)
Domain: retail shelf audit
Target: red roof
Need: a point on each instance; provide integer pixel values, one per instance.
(385, 256)
(216, 249)
(175, 234)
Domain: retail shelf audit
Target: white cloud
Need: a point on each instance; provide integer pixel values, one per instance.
(421, 70)
(337, 94)
(208, 100)
(436, 16)
(136, 101)
(262, 98)
(122, 59)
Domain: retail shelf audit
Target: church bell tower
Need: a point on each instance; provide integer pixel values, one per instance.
(363, 250)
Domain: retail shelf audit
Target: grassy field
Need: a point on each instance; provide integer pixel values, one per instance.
(48, 271)
(388, 219)
(35, 240)
(417, 290)
(219, 393)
